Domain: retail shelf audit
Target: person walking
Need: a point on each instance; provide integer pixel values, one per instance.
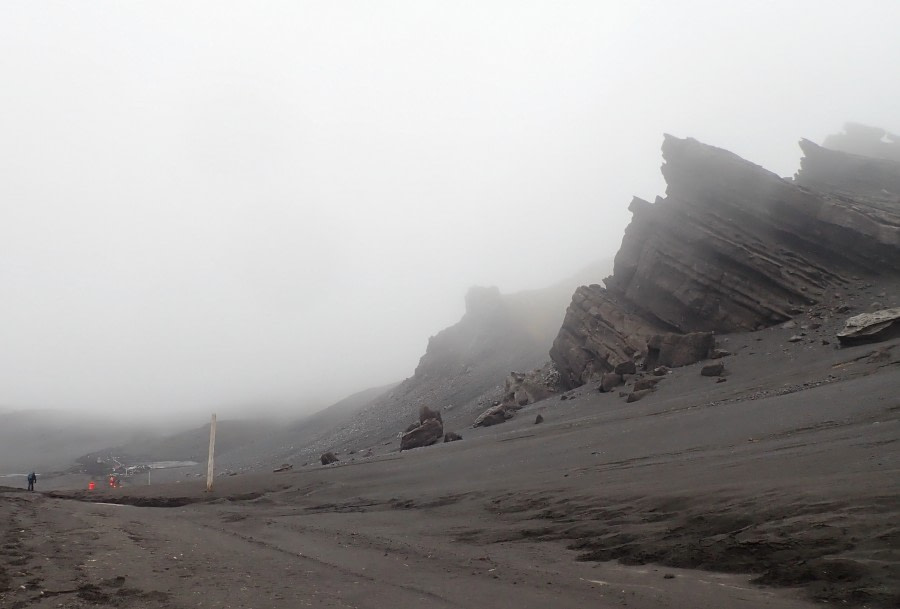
(32, 478)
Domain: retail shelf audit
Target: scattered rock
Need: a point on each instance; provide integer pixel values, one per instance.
(426, 413)
(871, 327)
(329, 458)
(719, 353)
(425, 434)
(675, 350)
(563, 398)
(796, 338)
(285, 467)
(452, 436)
(661, 371)
(538, 420)
(610, 381)
(721, 379)
(648, 383)
(493, 416)
(634, 396)
(523, 388)
(626, 367)
(789, 325)
(712, 369)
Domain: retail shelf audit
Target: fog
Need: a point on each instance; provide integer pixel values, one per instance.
(254, 207)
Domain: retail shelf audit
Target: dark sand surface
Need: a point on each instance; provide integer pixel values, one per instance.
(777, 488)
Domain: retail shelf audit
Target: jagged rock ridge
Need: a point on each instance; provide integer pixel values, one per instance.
(732, 247)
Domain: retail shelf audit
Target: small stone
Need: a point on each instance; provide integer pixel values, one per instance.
(538, 420)
(643, 384)
(660, 371)
(789, 325)
(712, 369)
(721, 379)
(452, 436)
(634, 396)
(796, 338)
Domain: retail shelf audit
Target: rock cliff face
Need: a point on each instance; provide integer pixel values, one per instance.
(873, 142)
(732, 247)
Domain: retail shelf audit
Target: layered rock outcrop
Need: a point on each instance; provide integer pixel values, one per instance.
(732, 247)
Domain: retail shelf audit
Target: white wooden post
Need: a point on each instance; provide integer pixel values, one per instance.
(212, 450)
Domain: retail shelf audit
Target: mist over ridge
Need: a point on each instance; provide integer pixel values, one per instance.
(242, 208)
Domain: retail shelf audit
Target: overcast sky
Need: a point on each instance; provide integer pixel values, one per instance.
(216, 205)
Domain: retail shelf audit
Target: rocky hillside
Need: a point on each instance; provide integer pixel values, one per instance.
(733, 247)
(464, 366)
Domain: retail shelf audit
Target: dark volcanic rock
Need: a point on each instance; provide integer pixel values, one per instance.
(624, 368)
(732, 247)
(493, 416)
(426, 413)
(597, 334)
(610, 381)
(538, 420)
(452, 436)
(329, 458)
(425, 434)
(648, 383)
(712, 369)
(871, 327)
(675, 350)
(634, 396)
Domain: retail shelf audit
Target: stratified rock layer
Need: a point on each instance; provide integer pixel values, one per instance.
(732, 247)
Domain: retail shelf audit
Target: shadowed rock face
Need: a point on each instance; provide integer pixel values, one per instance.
(732, 247)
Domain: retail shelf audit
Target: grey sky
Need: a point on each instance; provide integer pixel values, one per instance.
(224, 205)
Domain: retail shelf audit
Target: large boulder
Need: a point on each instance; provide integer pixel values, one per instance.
(610, 381)
(871, 327)
(426, 434)
(675, 350)
(493, 415)
(426, 413)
